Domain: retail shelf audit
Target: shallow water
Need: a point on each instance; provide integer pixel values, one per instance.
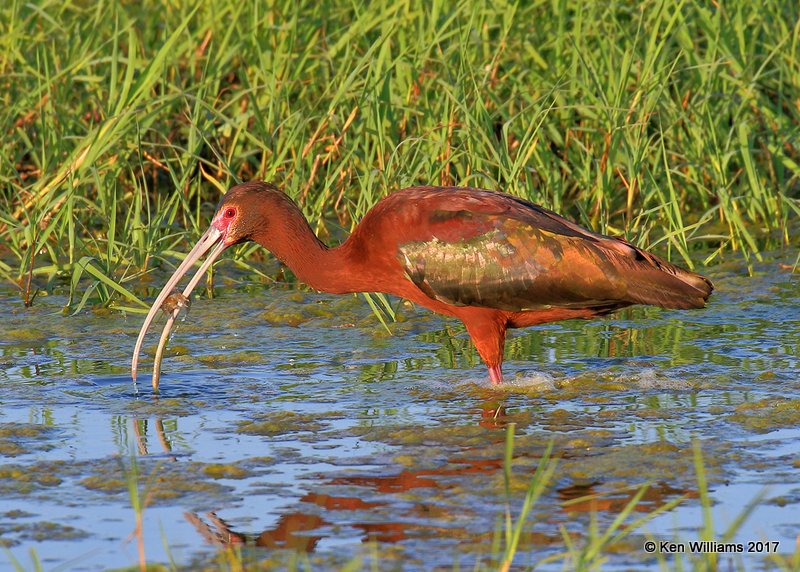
(293, 421)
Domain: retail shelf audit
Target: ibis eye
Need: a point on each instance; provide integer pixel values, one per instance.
(230, 213)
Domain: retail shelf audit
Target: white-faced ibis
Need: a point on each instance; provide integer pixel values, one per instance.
(492, 260)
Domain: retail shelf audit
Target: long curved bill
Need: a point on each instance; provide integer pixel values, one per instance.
(211, 240)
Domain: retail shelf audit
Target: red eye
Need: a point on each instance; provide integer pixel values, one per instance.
(230, 213)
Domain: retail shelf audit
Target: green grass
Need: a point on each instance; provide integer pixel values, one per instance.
(670, 122)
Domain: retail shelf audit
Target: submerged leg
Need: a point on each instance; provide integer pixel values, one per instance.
(496, 374)
(488, 332)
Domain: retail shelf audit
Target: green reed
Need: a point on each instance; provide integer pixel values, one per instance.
(669, 122)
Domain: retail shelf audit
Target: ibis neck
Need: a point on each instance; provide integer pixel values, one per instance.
(334, 270)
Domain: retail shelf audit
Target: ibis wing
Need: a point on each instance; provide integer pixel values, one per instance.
(514, 265)
(528, 258)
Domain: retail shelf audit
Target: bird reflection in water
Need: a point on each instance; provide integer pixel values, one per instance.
(591, 498)
(302, 527)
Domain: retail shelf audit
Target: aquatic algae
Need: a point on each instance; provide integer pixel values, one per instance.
(24, 479)
(284, 318)
(25, 335)
(224, 359)
(767, 414)
(280, 422)
(105, 484)
(631, 463)
(22, 438)
(226, 471)
(165, 482)
(40, 531)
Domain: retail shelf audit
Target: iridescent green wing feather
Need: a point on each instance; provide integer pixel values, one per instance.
(512, 264)
(520, 257)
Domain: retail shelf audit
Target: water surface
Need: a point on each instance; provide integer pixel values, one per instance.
(292, 421)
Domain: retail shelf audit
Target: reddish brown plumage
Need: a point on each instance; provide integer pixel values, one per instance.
(491, 260)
